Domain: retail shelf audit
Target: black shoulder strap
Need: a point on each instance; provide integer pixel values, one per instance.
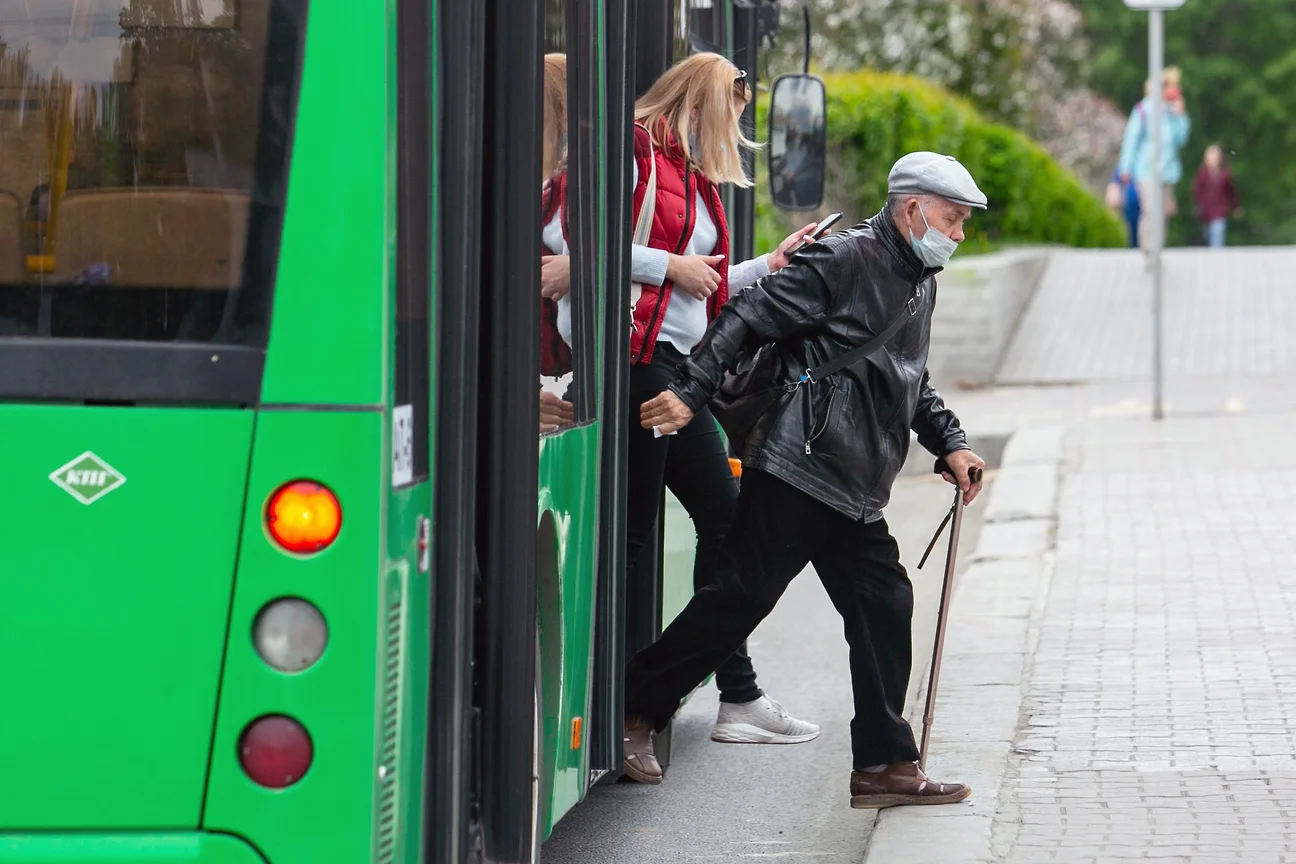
(855, 355)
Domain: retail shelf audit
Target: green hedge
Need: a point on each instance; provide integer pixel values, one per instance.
(875, 118)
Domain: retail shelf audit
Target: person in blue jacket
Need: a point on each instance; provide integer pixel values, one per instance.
(1136, 150)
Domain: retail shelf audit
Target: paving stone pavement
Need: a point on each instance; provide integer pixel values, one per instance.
(1159, 706)
(1137, 684)
(1228, 312)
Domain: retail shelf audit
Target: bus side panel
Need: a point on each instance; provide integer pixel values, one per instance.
(326, 815)
(568, 487)
(326, 336)
(404, 657)
(114, 600)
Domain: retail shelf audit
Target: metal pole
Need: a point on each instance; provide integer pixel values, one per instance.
(1156, 224)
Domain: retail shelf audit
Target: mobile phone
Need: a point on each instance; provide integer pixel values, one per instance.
(830, 220)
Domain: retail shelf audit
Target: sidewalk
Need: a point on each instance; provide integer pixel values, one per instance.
(1120, 675)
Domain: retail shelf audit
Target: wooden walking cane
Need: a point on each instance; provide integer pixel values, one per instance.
(947, 590)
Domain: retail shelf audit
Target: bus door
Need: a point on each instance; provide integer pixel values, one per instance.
(481, 742)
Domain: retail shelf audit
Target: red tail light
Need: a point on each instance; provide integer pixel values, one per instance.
(275, 751)
(304, 517)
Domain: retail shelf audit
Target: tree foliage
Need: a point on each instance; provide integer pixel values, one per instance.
(1020, 62)
(1239, 78)
(1008, 57)
(875, 118)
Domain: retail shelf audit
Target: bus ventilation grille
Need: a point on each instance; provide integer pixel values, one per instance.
(388, 834)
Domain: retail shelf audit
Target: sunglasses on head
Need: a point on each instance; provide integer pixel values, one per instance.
(742, 89)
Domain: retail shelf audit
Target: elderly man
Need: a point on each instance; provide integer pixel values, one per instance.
(819, 465)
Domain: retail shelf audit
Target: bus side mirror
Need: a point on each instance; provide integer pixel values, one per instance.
(798, 142)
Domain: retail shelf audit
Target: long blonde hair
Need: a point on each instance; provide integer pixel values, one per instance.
(711, 87)
(554, 142)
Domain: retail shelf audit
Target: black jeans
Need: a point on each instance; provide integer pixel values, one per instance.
(695, 466)
(777, 531)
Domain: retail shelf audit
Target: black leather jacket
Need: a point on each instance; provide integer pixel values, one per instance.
(842, 440)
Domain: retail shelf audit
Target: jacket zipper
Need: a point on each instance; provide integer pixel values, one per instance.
(823, 427)
(679, 247)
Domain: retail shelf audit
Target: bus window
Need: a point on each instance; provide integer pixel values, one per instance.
(134, 168)
(568, 299)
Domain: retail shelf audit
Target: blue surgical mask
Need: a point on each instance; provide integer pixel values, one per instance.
(933, 248)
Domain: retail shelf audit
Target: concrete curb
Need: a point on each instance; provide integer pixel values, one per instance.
(987, 651)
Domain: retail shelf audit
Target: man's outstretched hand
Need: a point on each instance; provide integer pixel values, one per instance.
(666, 411)
(961, 462)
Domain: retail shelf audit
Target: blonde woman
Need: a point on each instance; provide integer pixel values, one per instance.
(1136, 151)
(687, 128)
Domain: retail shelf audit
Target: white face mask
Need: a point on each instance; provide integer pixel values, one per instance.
(933, 248)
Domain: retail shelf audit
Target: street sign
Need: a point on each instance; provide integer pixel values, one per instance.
(1149, 5)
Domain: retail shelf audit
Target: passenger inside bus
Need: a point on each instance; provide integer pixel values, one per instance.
(688, 141)
(555, 354)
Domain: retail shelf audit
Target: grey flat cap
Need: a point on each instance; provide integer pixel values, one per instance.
(926, 173)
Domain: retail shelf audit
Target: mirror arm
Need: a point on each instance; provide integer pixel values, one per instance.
(805, 57)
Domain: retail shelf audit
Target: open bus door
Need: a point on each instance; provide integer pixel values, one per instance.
(512, 661)
(665, 32)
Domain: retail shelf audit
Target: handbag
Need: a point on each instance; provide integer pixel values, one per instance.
(643, 224)
(754, 386)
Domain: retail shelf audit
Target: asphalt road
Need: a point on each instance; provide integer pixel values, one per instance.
(726, 802)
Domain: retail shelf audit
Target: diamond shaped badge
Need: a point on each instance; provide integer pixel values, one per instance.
(87, 478)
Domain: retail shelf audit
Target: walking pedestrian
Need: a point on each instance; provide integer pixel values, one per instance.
(819, 465)
(1215, 197)
(1136, 150)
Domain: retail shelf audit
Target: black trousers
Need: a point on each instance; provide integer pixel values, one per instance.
(693, 464)
(777, 532)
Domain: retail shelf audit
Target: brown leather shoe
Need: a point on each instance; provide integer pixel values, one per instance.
(640, 762)
(900, 784)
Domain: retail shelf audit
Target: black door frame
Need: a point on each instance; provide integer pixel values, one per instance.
(447, 805)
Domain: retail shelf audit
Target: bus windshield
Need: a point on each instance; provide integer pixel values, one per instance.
(142, 165)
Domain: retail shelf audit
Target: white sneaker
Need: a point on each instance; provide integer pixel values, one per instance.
(761, 722)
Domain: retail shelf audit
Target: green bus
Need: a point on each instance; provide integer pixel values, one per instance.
(289, 576)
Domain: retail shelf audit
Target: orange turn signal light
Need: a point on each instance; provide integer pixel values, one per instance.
(735, 467)
(304, 517)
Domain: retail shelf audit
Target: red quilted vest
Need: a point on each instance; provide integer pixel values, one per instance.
(555, 354)
(673, 223)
